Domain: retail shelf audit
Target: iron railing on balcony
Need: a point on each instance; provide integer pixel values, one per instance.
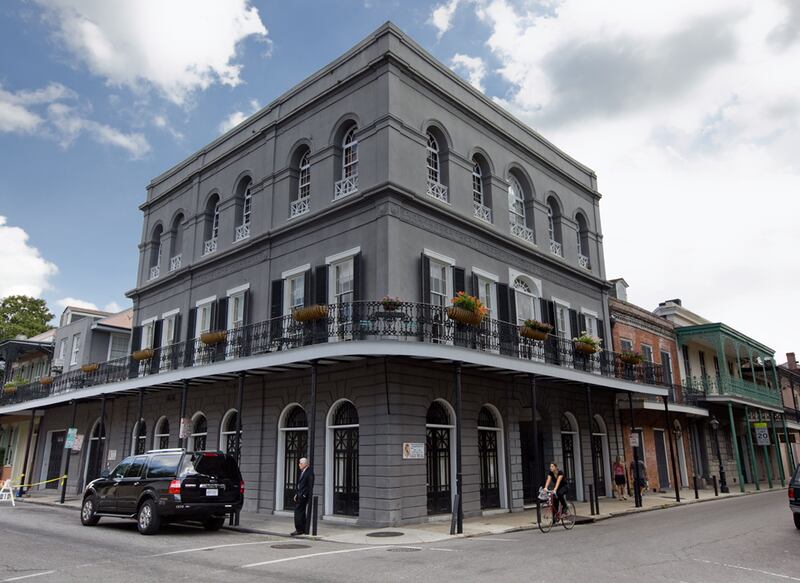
(299, 207)
(583, 261)
(356, 321)
(155, 271)
(699, 388)
(481, 211)
(242, 232)
(555, 248)
(210, 246)
(175, 262)
(438, 191)
(521, 231)
(345, 186)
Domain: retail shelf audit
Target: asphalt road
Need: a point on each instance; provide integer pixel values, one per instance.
(749, 539)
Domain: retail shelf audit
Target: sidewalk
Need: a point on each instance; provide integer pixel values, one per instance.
(492, 524)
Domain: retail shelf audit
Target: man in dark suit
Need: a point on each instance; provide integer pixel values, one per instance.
(302, 496)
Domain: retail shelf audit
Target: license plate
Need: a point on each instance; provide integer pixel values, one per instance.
(212, 492)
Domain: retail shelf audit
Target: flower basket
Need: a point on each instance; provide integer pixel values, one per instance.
(310, 313)
(630, 358)
(464, 316)
(143, 354)
(585, 347)
(532, 333)
(90, 368)
(10, 388)
(211, 338)
(46, 380)
(390, 304)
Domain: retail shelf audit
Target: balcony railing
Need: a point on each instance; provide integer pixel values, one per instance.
(242, 233)
(555, 248)
(438, 191)
(210, 246)
(481, 212)
(175, 262)
(345, 186)
(583, 261)
(155, 271)
(299, 207)
(699, 388)
(522, 232)
(356, 321)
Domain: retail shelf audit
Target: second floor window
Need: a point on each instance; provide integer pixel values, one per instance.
(168, 330)
(432, 161)
(203, 323)
(62, 350)
(647, 353)
(76, 348)
(440, 283)
(342, 281)
(236, 311)
(148, 331)
(516, 203)
(295, 290)
(118, 347)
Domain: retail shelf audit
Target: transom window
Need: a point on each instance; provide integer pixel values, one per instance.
(434, 174)
(350, 154)
(199, 433)
(161, 434)
(477, 183)
(304, 189)
(516, 202)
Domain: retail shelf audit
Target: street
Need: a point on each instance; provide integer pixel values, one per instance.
(751, 538)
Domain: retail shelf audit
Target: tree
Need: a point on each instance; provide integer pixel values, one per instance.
(23, 315)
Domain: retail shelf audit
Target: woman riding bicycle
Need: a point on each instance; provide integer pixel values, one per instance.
(556, 477)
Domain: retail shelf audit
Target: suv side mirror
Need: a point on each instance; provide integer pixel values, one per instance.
(105, 474)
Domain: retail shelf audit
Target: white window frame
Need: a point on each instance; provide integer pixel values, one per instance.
(148, 332)
(168, 319)
(304, 179)
(477, 183)
(111, 338)
(350, 147)
(236, 297)
(198, 323)
(565, 332)
(247, 204)
(76, 349)
(432, 161)
(62, 350)
(518, 218)
(484, 277)
(337, 257)
(590, 315)
(289, 276)
(642, 347)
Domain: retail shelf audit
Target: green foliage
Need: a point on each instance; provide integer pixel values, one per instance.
(23, 315)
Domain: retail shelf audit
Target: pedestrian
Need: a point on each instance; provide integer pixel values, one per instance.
(619, 478)
(642, 475)
(303, 491)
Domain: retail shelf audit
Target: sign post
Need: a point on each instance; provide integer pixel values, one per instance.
(762, 433)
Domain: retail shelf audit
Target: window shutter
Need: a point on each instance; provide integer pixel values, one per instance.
(191, 322)
(601, 333)
(308, 289)
(512, 303)
(474, 285)
(221, 314)
(321, 284)
(157, 327)
(503, 303)
(573, 324)
(136, 338)
(176, 331)
(581, 322)
(246, 307)
(425, 280)
(545, 311)
(358, 292)
(459, 280)
(276, 305)
(551, 313)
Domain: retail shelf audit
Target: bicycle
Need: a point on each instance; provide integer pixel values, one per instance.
(549, 516)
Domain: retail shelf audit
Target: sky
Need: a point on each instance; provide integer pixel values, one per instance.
(689, 113)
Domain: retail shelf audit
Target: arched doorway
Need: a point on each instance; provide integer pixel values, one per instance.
(139, 440)
(438, 454)
(343, 456)
(292, 445)
(227, 433)
(94, 457)
(601, 455)
(199, 435)
(491, 459)
(571, 454)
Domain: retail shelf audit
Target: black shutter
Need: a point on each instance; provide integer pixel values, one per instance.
(221, 314)
(425, 280)
(246, 307)
(321, 284)
(191, 342)
(136, 338)
(581, 322)
(544, 309)
(176, 337)
(191, 322)
(601, 333)
(358, 291)
(156, 360)
(506, 325)
(308, 289)
(276, 310)
(573, 324)
(474, 285)
(459, 280)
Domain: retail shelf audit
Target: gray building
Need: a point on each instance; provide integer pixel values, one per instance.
(294, 282)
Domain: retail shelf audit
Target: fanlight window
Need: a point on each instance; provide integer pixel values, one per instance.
(437, 414)
(346, 414)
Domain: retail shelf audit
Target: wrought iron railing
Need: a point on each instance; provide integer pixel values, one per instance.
(698, 388)
(210, 246)
(356, 321)
(583, 261)
(175, 262)
(481, 212)
(438, 191)
(345, 186)
(555, 248)
(242, 233)
(299, 207)
(521, 231)
(155, 271)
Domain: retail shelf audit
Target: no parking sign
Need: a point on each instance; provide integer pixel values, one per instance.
(762, 433)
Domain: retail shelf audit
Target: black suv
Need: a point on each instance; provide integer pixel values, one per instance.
(794, 496)
(167, 485)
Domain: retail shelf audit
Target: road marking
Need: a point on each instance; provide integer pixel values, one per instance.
(29, 576)
(780, 575)
(212, 548)
(312, 555)
(443, 550)
(499, 540)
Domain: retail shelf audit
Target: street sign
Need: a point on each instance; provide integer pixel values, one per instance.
(112, 455)
(78, 444)
(413, 451)
(634, 440)
(762, 433)
(72, 433)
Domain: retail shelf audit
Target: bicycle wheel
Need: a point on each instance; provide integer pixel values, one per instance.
(546, 519)
(568, 516)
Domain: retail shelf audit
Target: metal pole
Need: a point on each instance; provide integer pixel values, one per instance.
(794, 400)
(459, 492)
(675, 477)
(738, 458)
(239, 401)
(778, 456)
(138, 426)
(637, 496)
(591, 447)
(716, 491)
(184, 397)
(312, 425)
(68, 453)
(103, 433)
(537, 476)
(24, 477)
(750, 448)
(767, 460)
(788, 445)
(696, 493)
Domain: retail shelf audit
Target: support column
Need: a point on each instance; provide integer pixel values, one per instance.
(312, 431)
(778, 456)
(736, 448)
(794, 400)
(103, 432)
(767, 461)
(792, 466)
(753, 469)
(591, 445)
(24, 478)
(138, 421)
(459, 483)
(537, 474)
(637, 496)
(239, 401)
(183, 430)
(668, 431)
(68, 454)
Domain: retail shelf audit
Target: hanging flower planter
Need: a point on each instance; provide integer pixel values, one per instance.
(143, 354)
(46, 380)
(585, 348)
(631, 357)
(532, 334)
(310, 313)
(10, 388)
(391, 304)
(464, 316)
(211, 338)
(90, 368)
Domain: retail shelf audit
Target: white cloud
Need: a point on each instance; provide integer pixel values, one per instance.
(113, 307)
(23, 270)
(689, 112)
(442, 16)
(70, 124)
(75, 303)
(238, 117)
(473, 67)
(177, 47)
(16, 115)
(162, 123)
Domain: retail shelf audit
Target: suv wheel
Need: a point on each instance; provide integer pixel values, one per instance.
(148, 519)
(89, 511)
(797, 520)
(213, 523)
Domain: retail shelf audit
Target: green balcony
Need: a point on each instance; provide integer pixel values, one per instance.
(701, 388)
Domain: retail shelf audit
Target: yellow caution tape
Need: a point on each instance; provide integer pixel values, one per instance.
(63, 478)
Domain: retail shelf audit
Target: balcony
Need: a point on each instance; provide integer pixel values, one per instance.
(481, 212)
(299, 207)
(175, 262)
(155, 271)
(242, 233)
(210, 246)
(522, 232)
(411, 323)
(438, 191)
(555, 248)
(345, 187)
(701, 388)
(583, 261)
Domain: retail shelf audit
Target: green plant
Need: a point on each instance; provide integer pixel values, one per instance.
(390, 304)
(586, 338)
(631, 356)
(537, 325)
(469, 303)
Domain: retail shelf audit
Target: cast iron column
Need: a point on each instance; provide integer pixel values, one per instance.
(68, 453)
(778, 456)
(239, 401)
(103, 432)
(596, 502)
(537, 476)
(753, 471)
(767, 460)
(138, 427)
(736, 448)
(637, 495)
(459, 491)
(24, 476)
(183, 430)
(788, 445)
(675, 477)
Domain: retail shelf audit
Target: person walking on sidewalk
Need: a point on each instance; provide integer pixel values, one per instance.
(619, 478)
(303, 492)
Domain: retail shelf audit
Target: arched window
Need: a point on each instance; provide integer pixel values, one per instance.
(434, 170)
(244, 203)
(304, 187)
(571, 452)
(139, 443)
(602, 457)
(155, 252)
(94, 458)
(349, 182)
(477, 183)
(490, 458)
(481, 205)
(516, 210)
(211, 225)
(227, 433)
(176, 251)
(583, 242)
(526, 296)
(199, 435)
(435, 165)
(292, 445)
(161, 434)
(343, 447)
(439, 458)
(301, 185)
(554, 226)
